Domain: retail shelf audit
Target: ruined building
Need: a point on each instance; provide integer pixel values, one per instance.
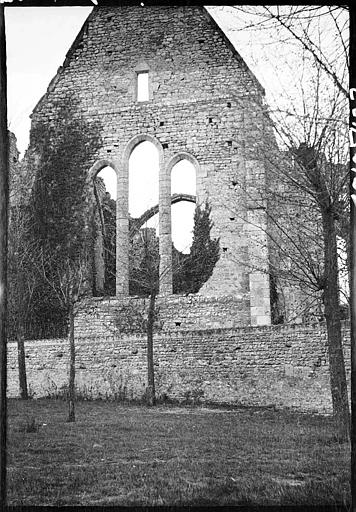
(169, 75)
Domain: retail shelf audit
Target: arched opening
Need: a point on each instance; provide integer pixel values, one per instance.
(183, 181)
(144, 241)
(105, 195)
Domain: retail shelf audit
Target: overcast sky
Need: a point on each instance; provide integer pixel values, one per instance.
(37, 39)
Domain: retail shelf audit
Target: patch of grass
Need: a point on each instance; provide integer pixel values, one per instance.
(120, 455)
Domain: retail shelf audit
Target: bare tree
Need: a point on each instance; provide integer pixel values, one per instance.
(145, 273)
(321, 32)
(304, 25)
(21, 277)
(22, 282)
(145, 276)
(305, 151)
(22, 251)
(69, 282)
(144, 282)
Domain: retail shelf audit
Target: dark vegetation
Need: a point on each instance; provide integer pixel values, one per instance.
(61, 218)
(190, 271)
(57, 231)
(50, 237)
(53, 226)
(109, 213)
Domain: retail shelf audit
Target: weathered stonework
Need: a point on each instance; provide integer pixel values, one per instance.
(103, 317)
(204, 105)
(260, 366)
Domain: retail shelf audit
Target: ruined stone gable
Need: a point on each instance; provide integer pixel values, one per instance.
(203, 105)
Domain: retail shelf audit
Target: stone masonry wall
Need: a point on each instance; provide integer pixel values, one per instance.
(259, 366)
(103, 317)
(204, 105)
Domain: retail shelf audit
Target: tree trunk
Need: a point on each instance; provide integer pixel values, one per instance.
(332, 314)
(22, 365)
(71, 388)
(151, 394)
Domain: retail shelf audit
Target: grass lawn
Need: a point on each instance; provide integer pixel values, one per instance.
(133, 455)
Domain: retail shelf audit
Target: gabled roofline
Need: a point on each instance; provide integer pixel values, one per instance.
(74, 46)
(232, 48)
(83, 31)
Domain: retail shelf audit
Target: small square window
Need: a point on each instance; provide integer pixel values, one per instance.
(142, 86)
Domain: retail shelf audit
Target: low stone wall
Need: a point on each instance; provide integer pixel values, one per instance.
(264, 366)
(105, 317)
